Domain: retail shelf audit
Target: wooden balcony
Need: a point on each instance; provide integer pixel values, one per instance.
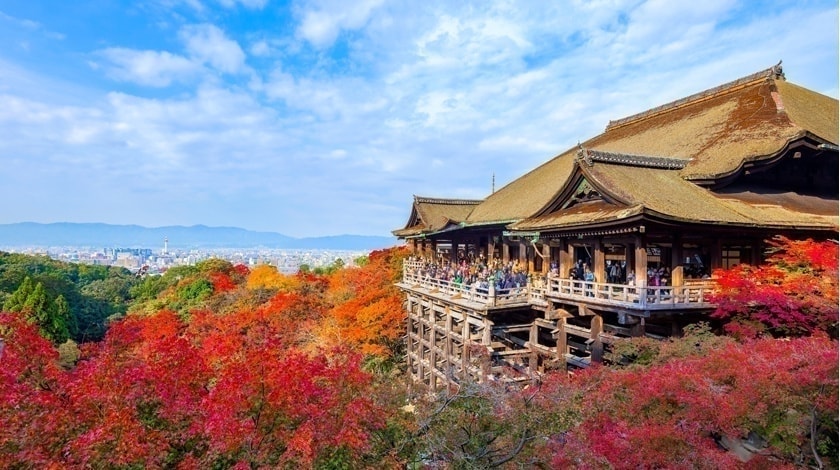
(694, 295)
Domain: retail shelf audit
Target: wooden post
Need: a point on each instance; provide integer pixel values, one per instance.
(641, 261)
(523, 253)
(432, 352)
(533, 340)
(716, 256)
(562, 345)
(465, 348)
(566, 259)
(486, 339)
(676, 252)
(599, 262)
(410, 320)
(596, 328)
(505, 252)
(546, 257)
(453, 254)
(448, 345)
(491, 250)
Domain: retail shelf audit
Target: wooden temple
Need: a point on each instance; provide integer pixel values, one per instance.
(678, 191)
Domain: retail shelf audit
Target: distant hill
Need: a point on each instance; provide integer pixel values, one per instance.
(196, 236)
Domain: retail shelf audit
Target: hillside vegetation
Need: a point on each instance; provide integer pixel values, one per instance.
(218, 366)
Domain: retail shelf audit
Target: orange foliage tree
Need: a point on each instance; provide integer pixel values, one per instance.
(367, 312)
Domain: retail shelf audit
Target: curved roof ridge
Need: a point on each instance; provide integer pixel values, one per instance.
(434, 200)
(589, 156)
(774, 72)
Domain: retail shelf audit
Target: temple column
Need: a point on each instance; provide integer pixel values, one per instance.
(453, 254)
(640, 258)
(491, 250)
(566, 259)
(523, 253)
(716, 255)
(677, 274)
(599, 262)
(505, 252)
(546, 257)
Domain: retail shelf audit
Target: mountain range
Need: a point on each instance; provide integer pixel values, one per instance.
(31, 234)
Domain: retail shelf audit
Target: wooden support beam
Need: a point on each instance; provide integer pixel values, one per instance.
(533, 341)
(597, 327)
(561, 347)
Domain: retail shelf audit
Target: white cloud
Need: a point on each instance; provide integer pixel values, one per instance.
(260, 49)
(427, 98)
(150, 68)
(209, 44)
(322, 22)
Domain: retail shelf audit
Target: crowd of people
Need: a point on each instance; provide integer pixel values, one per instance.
(481, 274)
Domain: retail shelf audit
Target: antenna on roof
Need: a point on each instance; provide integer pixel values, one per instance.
(493, 186)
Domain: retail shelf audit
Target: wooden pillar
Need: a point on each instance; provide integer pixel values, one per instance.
(638, 329)
(486, 340)
(640, 256)
(599, 262)
(421, 341)
(523, 253)
(491, 249)
(533, 340)
(432, 352)
(676, 251)
(755, 253)
(596, 328)
(716, 255)
(546, 258)
(409, 328)
(562, 345)
(566, 259)
(453, 254)
(448, 345)
(505, 252)
(465, 347)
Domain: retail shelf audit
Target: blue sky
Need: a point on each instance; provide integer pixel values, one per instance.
(325, 117)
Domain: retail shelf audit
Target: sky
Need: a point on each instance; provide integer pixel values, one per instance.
(325, 117)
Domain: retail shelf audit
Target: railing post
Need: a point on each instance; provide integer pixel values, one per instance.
(491, 292)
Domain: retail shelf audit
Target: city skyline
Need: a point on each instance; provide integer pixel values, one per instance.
(315, 118)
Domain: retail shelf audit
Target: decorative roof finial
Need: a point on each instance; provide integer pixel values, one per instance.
(777, 71)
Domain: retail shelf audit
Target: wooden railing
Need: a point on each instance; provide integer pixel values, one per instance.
(695, 294)
(488, 296)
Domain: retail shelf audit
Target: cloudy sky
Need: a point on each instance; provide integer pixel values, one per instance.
(324, 117)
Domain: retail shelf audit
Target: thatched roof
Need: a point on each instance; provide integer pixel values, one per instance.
(429, 215)
(714, 133)
(631, 190)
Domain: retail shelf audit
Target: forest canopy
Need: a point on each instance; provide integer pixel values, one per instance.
(221, 366)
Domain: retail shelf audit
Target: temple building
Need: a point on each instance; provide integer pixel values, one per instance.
(650, 207)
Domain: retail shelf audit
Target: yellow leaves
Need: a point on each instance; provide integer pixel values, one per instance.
(266, 276)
